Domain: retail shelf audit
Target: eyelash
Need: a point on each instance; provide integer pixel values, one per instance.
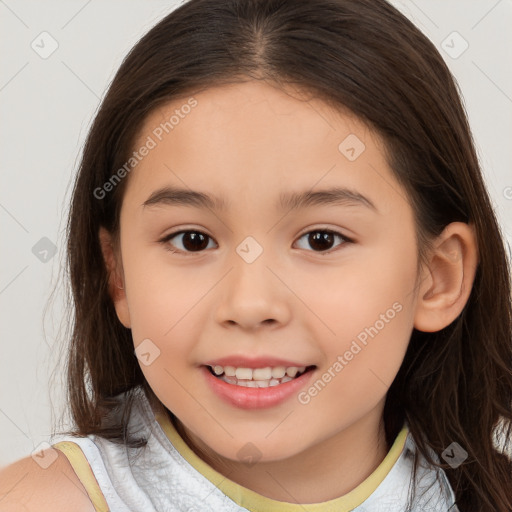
(167, 238)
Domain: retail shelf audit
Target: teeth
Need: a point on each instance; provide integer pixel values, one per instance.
(257, 377)
(278, 372)
(230, 371)
(292, 371)
(244, 373)
(262, 373)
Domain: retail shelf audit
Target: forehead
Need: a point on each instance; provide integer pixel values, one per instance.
(223, 105)
(254, 139)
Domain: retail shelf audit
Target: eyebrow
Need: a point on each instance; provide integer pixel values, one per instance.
(340, 196)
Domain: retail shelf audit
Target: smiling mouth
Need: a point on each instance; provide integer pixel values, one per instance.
(258, 377)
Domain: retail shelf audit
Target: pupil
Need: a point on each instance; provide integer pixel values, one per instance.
(321, 239)
(194, 241)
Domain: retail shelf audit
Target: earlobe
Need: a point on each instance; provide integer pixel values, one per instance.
(115, 276)
(446, 284)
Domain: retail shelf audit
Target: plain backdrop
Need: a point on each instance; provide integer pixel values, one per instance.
(47, 103)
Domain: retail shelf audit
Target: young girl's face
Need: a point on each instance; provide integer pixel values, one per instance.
(259, 279)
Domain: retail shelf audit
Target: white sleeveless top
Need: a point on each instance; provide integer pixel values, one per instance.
(167, 476)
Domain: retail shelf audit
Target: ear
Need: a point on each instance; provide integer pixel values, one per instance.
(116, 285)
(446, 284)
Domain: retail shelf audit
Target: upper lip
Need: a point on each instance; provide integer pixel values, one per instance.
(253, 362)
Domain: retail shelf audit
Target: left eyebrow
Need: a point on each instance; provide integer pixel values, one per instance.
(332, 196)
(290, 201)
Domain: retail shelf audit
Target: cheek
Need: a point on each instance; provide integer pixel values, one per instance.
(166, 326)
(357, 295)
(370, 316)
(162, 296)
(361, 362)
(164, 305)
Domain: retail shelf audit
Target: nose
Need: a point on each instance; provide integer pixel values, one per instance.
(252, 295)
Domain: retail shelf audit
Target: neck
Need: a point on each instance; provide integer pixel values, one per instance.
(327, 470)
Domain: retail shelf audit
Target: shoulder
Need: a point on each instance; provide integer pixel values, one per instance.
(25, 486)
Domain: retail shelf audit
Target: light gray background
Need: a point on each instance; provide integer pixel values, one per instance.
(46, 109)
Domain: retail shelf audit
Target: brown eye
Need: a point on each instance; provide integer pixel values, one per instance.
(191, 241)
(323, 240)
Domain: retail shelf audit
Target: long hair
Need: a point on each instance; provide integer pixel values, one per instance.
(360, 55)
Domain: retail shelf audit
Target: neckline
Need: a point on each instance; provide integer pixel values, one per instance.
(255, 502)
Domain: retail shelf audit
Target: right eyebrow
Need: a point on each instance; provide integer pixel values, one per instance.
(178, 196)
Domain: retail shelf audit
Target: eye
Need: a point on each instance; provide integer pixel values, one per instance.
(191, 241)
(321, 240)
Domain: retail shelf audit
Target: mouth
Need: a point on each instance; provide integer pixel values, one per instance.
(265, 377)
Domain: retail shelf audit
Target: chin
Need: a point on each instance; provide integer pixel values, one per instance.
(258, 451)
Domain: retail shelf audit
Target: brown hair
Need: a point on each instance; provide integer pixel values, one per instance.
(365, 56)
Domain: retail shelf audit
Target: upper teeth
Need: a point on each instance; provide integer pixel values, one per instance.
(276, 372)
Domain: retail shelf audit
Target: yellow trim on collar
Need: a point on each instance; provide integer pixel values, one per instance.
(84, 473)
(257, 503)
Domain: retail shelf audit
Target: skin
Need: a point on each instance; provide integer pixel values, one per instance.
(26, 486)
(248, 143)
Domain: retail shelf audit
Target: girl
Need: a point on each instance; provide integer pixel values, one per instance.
(291, 292)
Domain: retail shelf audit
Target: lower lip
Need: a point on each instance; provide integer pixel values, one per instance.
(255, 398)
